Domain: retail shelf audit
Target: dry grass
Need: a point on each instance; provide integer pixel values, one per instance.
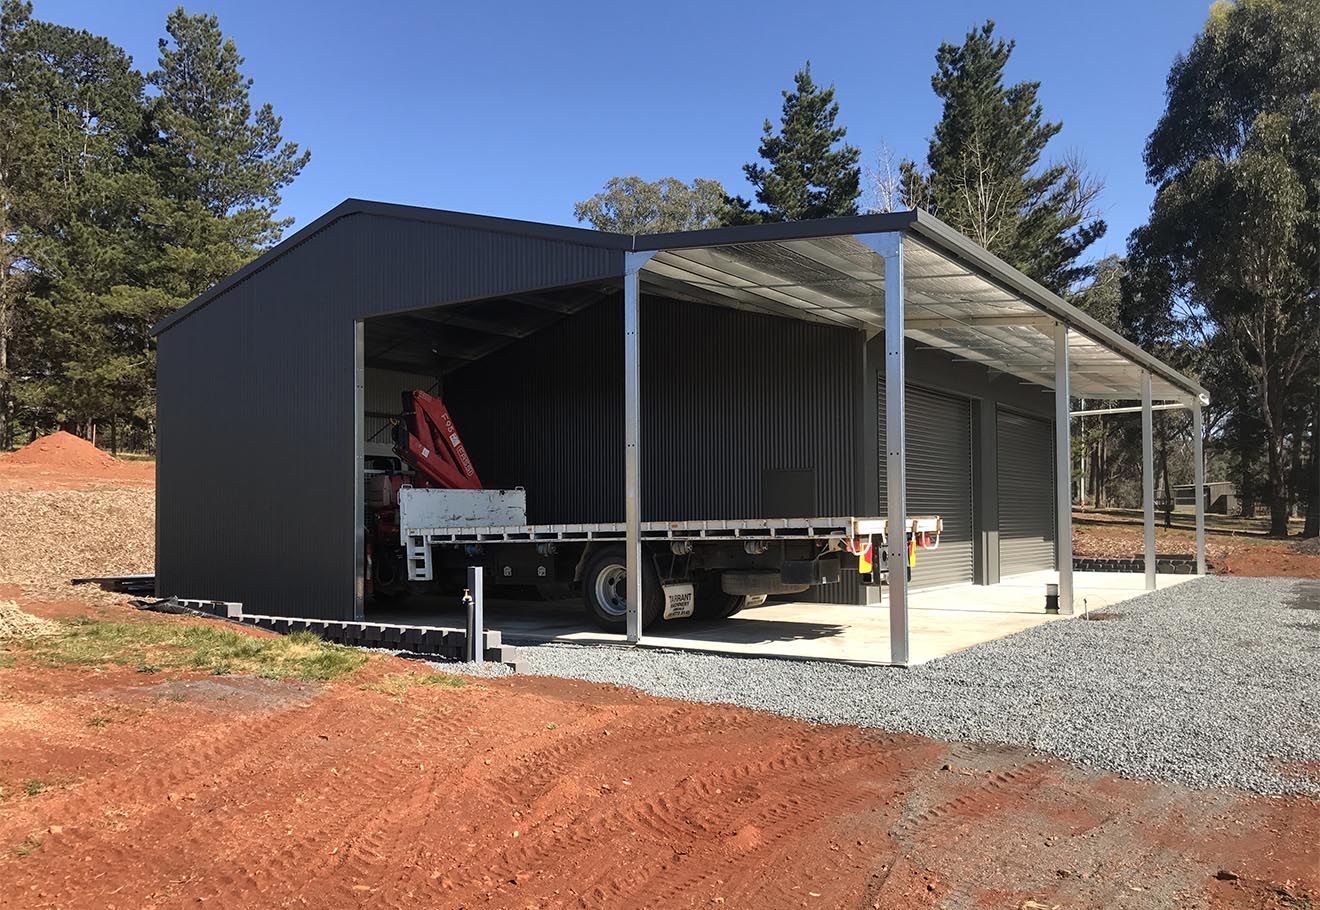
(398, 683)
(16, 625)
(152, 647)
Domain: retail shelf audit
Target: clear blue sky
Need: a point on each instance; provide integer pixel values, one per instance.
(520, 109)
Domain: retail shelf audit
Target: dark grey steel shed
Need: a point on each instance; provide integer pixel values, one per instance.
(735, 373)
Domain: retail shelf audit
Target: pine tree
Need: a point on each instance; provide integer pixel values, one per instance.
(219, 164)
(982, 173)
(809, 172)
(73, 195)
(115, 209)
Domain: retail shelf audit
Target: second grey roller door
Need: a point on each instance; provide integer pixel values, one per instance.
(1026, 494)
(939, 481)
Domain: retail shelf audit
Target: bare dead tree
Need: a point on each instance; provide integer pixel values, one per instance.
(884, 182)
(990, 205)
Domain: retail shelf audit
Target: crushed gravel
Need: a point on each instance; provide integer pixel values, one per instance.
(1213, 683)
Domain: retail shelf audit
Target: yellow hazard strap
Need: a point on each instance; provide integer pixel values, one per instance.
(912, 552)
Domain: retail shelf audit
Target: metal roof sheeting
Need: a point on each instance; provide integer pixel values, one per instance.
(959, 297)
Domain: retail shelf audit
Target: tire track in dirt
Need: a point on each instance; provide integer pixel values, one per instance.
(208, 747)
(1002, 785)
(577, 833)
(215, 761)
(703, 813)
(798, 807)
(353, 842)
(529, 775)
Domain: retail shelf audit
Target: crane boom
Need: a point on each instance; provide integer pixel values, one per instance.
(426, 438)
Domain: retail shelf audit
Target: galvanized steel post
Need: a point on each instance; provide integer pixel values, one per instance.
(890, 245)
(1148, 476)
(1198, 477)
(632, 422)
(475, 646)
(360, 568)
(1063, 470)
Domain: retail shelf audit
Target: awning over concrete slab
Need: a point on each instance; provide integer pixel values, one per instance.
(942, 621)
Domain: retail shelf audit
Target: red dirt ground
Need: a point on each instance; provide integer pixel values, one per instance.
(1266, 560)
(63, 461)
(1227, 554)
(178, 790)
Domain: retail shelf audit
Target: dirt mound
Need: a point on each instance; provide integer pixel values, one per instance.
(61, 450)
(1308, 546)
(63, 461)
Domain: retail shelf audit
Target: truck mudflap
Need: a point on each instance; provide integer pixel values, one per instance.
(680, 600)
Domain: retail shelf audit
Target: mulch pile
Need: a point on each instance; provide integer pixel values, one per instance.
(49, 536)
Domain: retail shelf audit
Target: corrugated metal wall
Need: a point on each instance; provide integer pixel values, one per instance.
(257, 402)
(1026, 493)
(382, 399)
(727, 398)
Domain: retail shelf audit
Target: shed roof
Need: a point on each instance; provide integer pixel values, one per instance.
(959, 297)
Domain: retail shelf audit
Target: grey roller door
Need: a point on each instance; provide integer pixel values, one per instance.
(939, 481)
(1026, 494)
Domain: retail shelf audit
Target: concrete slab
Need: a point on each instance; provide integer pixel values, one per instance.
(941, 620)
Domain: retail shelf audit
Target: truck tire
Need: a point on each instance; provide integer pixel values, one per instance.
(604, 583)
(712, 602)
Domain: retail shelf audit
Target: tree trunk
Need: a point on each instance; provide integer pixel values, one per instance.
(1278, 490)
(6, 428)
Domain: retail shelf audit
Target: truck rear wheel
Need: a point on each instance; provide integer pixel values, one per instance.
(605, 586)
(712, 602)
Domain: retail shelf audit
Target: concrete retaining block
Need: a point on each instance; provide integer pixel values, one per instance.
(1170, 565)
(434, 640)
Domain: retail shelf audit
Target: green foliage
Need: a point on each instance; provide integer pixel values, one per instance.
(219, 165)
(1231, 253)
(809, 171)
(983, 174)
(152, 647)
(1102, 297)
(117, 207)
(631, 205)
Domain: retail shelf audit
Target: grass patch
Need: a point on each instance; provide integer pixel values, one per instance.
(98, 721)
(6, 661)
(153, 647)
(32, 786)
(28, 847)
(398, 683)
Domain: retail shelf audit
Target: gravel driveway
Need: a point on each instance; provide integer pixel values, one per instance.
(1212, 683)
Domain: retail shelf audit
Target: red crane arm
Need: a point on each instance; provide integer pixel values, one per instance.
(427, 439)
